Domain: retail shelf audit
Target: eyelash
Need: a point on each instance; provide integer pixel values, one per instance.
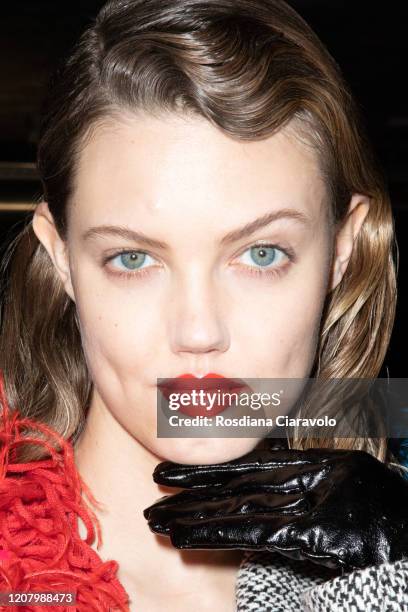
(258, 272)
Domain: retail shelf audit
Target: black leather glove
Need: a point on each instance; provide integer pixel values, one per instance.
(337, 508)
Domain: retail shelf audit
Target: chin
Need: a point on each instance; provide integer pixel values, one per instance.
(194, 451)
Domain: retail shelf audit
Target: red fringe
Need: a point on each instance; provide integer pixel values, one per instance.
(40, 546)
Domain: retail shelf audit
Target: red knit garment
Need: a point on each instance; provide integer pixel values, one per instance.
(40, 545)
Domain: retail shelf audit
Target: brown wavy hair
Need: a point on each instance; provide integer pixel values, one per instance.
(249, 67)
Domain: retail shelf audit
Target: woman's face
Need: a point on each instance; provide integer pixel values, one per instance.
(192, 294)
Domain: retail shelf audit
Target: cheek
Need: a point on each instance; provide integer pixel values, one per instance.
(120, 331)
(116, 315)
(279, 333)
(119, 349)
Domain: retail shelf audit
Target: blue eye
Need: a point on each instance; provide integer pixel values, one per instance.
(132, 260)
(263, 255)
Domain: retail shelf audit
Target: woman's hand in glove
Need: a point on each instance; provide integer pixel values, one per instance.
(338, 508)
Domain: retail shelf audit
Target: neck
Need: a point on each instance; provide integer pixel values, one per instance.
(118, 469)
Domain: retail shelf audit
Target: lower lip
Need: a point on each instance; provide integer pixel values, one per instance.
(203, 409)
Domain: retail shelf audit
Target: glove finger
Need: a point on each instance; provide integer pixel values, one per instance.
(293, 479)
(160, 518)
(186, 497)
(256, 532)
(259, 460)
(251, 532)
(183, 497)
(289, 479)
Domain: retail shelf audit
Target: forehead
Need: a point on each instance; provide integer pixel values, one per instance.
(181, 161)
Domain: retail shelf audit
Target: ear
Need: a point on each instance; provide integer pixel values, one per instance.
(46, 232)
(345, 236)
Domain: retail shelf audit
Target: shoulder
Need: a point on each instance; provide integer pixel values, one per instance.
(378, 587)
(269, 581)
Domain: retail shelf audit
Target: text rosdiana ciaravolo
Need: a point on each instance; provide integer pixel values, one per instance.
(177, 420)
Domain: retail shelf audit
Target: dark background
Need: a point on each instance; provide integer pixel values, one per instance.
(368, 40)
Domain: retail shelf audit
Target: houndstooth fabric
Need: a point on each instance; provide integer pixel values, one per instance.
(270, 582)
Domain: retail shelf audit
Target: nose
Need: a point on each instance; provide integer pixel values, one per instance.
(197, 318)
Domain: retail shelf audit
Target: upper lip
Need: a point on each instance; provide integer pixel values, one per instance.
(186, 382)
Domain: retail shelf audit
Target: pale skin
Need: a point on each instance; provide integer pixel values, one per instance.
(198, 309)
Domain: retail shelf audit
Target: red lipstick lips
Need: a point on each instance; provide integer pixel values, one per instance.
(208, 399)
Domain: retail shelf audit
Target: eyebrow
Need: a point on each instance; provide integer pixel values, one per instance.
(233, 236)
